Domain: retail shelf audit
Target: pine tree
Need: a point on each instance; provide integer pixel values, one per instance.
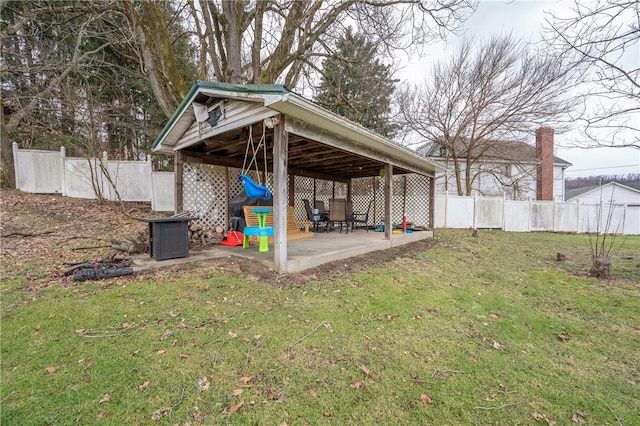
(357, 85)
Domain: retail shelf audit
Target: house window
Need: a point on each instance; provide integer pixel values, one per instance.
(506, 170)
(443, 151)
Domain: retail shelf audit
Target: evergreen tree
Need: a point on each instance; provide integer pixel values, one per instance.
(357, 85)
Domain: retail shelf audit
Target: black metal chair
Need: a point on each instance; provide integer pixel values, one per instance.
(362, 218)
(315, 219)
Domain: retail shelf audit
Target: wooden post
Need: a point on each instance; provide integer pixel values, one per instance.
(388, 200)
(432, 203)
(227, 194)
(292, 190)
(280, 160)
(178, 159)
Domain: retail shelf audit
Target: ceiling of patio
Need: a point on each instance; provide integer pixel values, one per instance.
(306, 157)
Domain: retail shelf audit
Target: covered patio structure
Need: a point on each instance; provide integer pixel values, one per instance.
(299, 151)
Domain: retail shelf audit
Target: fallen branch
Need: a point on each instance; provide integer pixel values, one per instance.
(26, 234)
(94, 333)
(91, 247)
(493, 408)
(436, 376)
(611, 411)
(305, 336)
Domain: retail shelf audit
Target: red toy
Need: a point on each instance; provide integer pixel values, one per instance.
(234, 238)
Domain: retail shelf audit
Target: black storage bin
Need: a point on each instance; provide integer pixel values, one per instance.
(169, 237)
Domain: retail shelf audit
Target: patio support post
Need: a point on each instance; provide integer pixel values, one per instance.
(388, 199)
(292, 190)
(280, 198)
(432, 202)
(179, 169)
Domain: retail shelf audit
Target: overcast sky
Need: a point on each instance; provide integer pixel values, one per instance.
(525, 19)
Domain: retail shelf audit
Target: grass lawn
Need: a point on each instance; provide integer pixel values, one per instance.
(488, 330)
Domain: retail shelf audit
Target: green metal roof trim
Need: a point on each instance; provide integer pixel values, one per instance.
(258, 89)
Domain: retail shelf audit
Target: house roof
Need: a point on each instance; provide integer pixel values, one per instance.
(320, 142)
(499, 150)
(572, 194)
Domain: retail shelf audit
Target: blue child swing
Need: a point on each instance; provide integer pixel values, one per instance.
(251, 188)
(256, 190)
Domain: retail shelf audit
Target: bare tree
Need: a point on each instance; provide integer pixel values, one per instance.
(483, 95)
(276, 40)
(604, 36)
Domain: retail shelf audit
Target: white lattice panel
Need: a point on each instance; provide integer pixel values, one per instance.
(204, 189)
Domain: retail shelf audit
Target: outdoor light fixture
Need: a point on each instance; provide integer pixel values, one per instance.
(271, 122)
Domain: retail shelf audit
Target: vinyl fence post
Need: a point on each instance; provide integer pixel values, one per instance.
(63, 177)
(504, 211)
(577, 216)
(446, 202)
(14, 148)
(150, 174)
(475, 209)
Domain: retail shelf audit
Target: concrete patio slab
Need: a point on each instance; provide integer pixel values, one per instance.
(302, 254)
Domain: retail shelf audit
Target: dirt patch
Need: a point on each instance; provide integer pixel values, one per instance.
(333, 270)
(42, 232)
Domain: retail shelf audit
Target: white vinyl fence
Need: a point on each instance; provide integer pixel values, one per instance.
(47, 172)
(52, 172)
(527, 216)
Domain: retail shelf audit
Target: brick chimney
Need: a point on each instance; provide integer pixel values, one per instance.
(544, 172)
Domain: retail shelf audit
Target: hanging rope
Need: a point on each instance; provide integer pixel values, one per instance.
(251, 188)
(255, 149)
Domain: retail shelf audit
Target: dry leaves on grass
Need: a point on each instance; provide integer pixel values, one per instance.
(539, 417)
(369, 374)
(425, 399)
(143, 386)
(578, 417)
(235, 392)
(51, 370)
(203, 384)
(160, 413)
(356, 385)
(105, 398)
(233, 408)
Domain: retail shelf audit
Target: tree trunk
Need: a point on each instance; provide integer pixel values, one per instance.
(7, 172)
(159, 62)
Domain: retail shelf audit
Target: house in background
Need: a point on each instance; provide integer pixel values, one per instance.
(513, 168)
(610, 193)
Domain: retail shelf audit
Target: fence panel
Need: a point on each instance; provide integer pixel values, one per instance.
(542, 215)
(632, 221)
(163, 191)
(459, 212)
(440, 209)
(566, 217)
(82, 178)
(38, 171)
(489, 212)
(130, 178)
(516, 216)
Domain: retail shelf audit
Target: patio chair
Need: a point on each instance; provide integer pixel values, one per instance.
(362, 218)
(338, 214)
(315, 219)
